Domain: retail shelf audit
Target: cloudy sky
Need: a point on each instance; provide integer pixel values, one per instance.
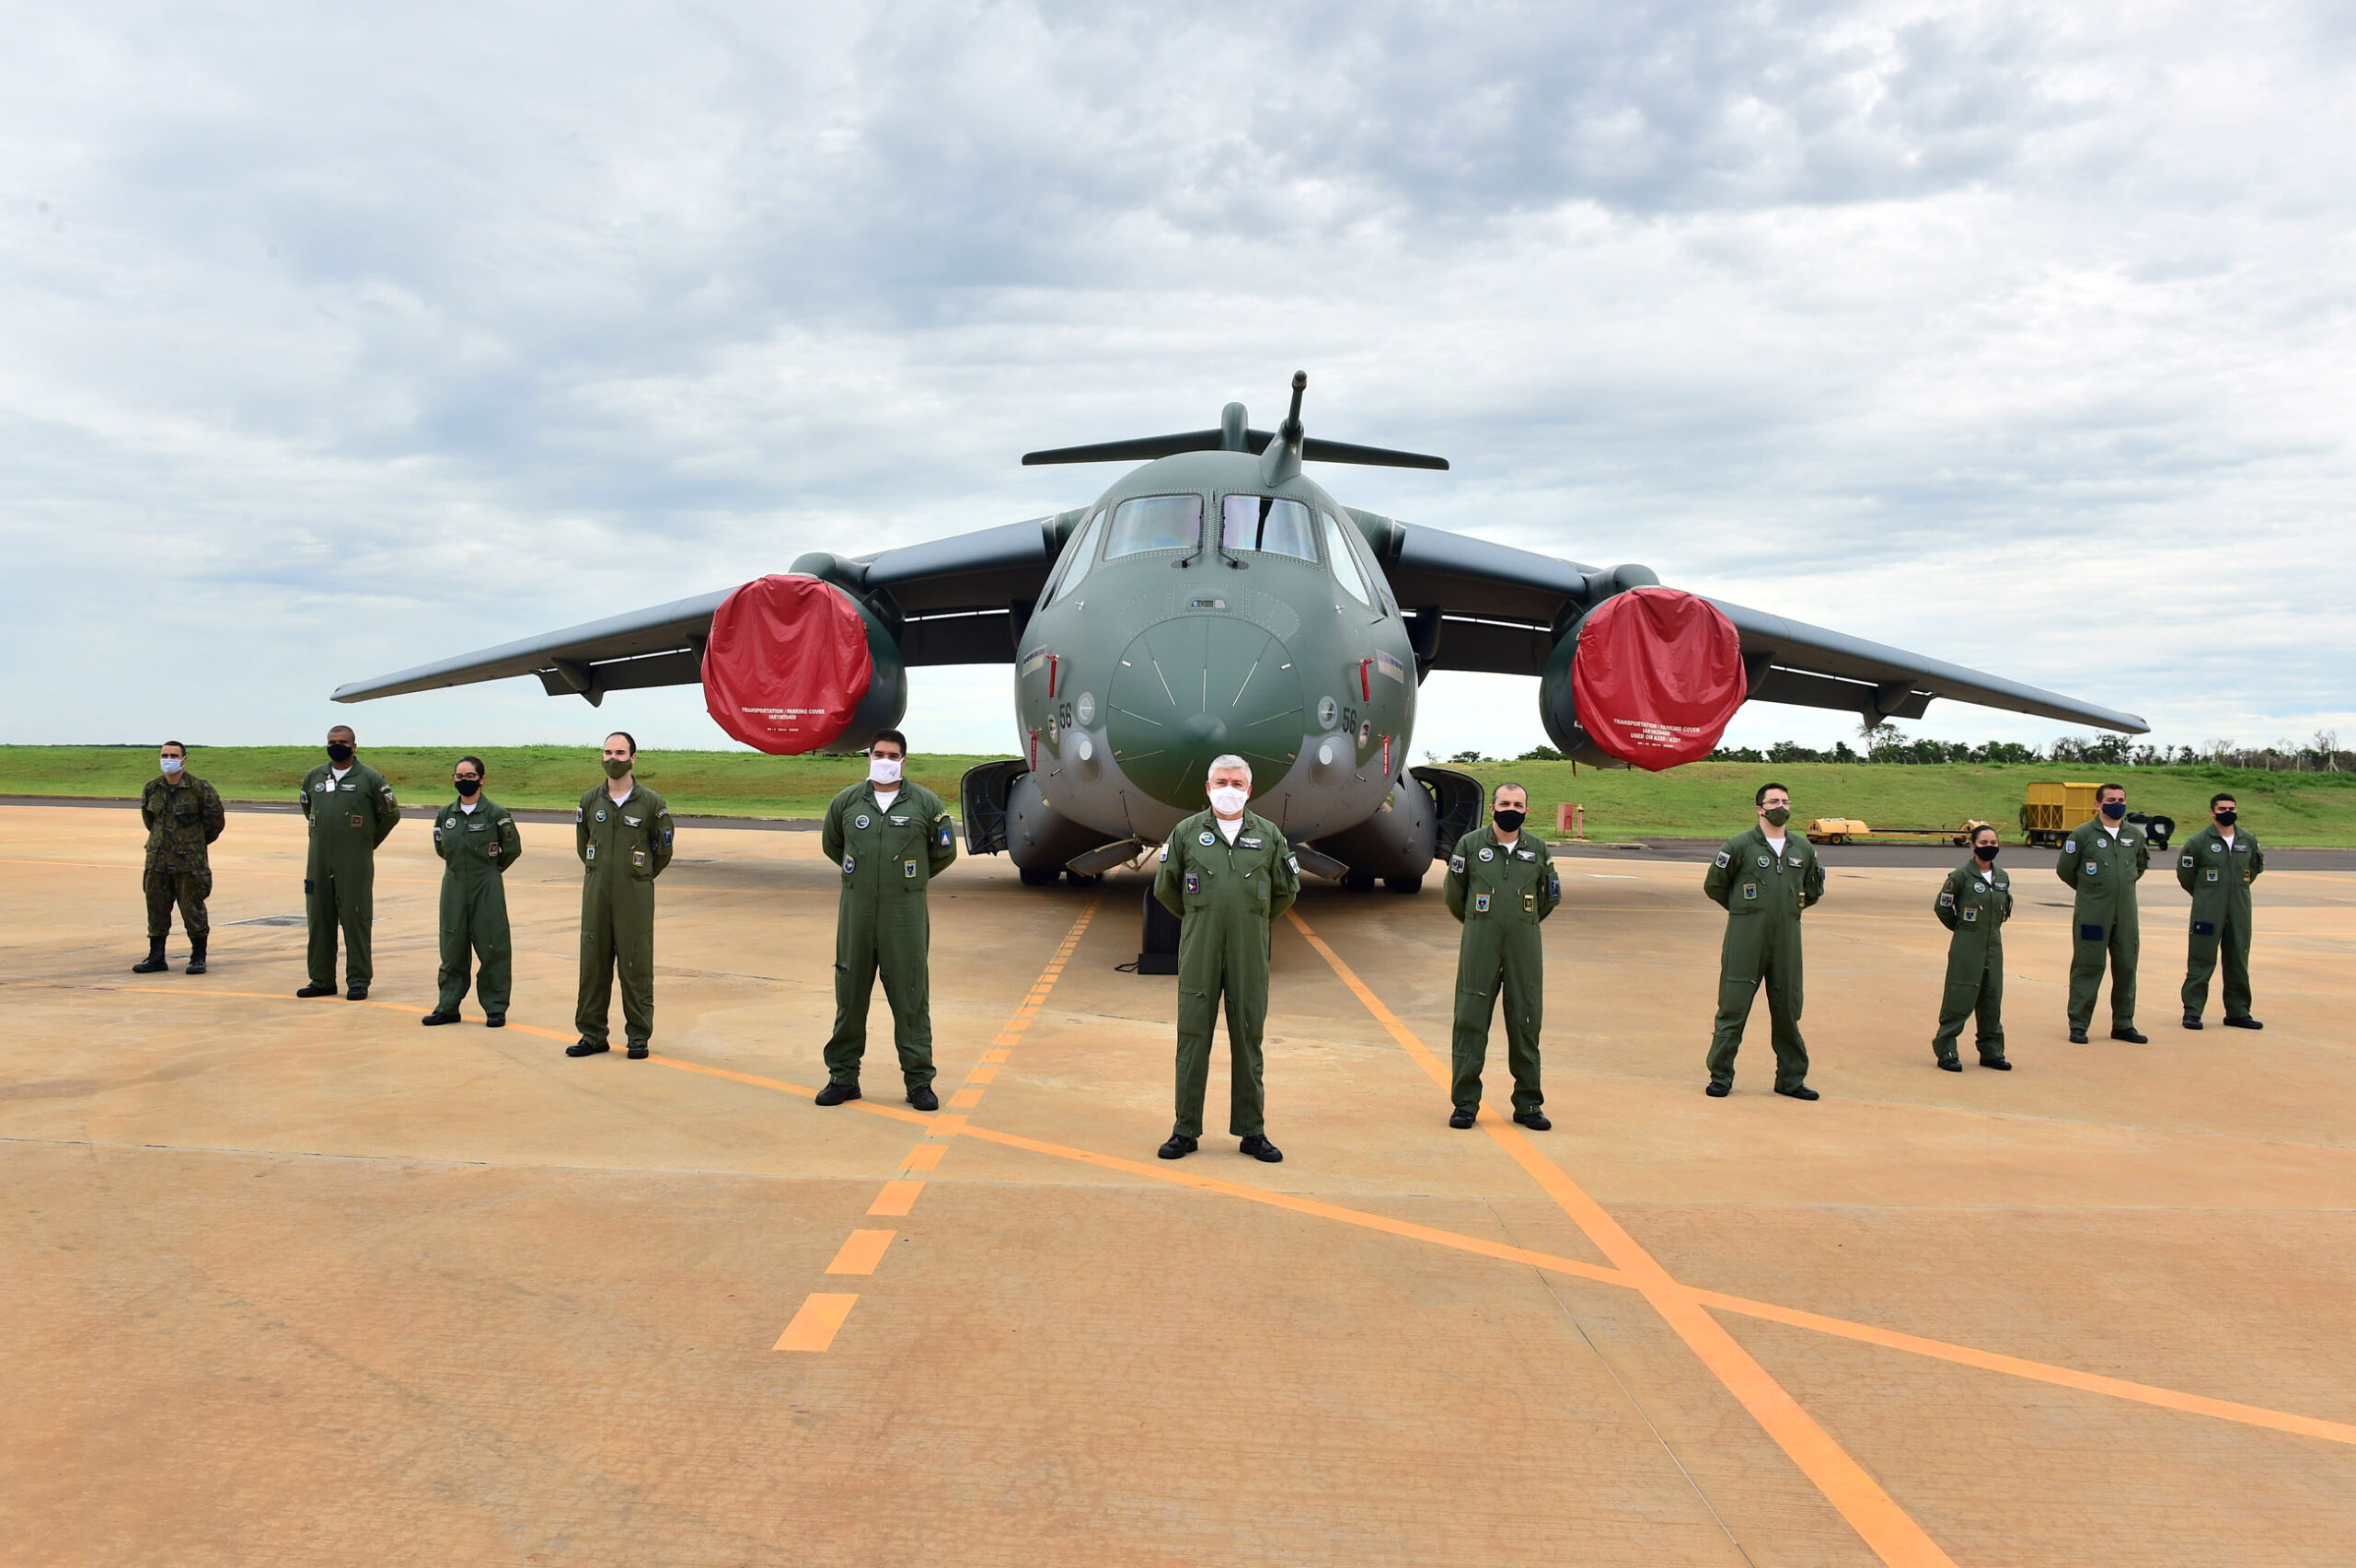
(333, 340)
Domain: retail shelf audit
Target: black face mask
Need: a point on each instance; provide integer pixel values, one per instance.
(1985, 851)
(1511, 821)
(468, 786)
(2114, 810)
(2227, 819)
(339, 751)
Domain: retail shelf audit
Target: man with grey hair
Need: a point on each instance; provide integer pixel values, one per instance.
(1226, 874)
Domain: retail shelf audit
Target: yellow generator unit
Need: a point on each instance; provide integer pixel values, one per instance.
(1836, 830)
(2052, 810)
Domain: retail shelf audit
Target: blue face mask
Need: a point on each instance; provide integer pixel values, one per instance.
(2114, 810)
(171, 764)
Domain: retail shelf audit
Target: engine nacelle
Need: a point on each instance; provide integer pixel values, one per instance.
(796, 665)
(1650, 676)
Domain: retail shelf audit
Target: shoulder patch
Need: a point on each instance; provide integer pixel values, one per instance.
(2069, 846)
(1456, 864)
(1723, 860)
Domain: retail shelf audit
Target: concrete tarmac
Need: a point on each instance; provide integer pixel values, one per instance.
(301, 1282)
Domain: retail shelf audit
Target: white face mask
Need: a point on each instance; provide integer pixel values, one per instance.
(883, 769)
(1228, 799)
(171, 764)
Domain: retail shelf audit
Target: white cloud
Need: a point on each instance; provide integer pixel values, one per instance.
(332, 342)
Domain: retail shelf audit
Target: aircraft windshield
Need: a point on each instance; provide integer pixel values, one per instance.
(1345, 565)
(1267, 523)
(1082, 554)
(1156, 523)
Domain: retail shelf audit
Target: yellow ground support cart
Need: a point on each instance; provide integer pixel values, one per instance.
(2052, 810)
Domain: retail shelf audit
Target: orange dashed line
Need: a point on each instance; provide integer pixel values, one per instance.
(947, 1124)
(924, 1156)
(815, 1327)
(896, 1198)
(981, 1074)
(965, 1099)
(862, 1252)
(996, 1055)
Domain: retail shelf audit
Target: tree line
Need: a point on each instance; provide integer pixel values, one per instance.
(1885, 744)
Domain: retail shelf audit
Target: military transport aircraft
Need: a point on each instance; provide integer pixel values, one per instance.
(1219, 600)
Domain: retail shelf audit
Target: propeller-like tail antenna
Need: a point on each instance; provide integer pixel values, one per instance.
(1282, 460)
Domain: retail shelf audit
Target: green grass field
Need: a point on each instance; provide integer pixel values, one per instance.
(1704, 800)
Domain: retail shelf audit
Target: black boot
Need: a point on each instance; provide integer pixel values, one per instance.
(154, 962)
(196, 955)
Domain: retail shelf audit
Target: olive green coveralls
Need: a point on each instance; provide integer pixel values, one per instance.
(1500, 894)
(1973, 903)
(1226, 897)
(183, 818)
(1763, 893)
(2218, 877)
(348, 820)
(884, 925)
(2103, 869)
(623, 848)
(476, 848)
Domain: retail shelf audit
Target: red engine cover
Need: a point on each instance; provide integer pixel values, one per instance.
(1656, 676)
(787, 663)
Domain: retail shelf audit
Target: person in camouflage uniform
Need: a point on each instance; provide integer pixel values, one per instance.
(183, 817)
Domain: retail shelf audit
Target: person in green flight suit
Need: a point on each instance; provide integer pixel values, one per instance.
(1228, 874)
(2101, 861)
(183, 816)
(891, 838)
(477, 840)
(351, 809)
(1501, 884)
(622, 833)
(1974, 903)
(2216, 866)
(1763, 879)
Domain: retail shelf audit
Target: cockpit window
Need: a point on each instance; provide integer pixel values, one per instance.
(1267, 523)
(1156, 523)
(1345, 565)
(1083, 553)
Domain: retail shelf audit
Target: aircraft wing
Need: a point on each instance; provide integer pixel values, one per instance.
(1477, 606)
(953, 601)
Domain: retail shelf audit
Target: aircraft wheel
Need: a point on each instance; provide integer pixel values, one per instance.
(1358, 881)
(1080, 880)
(1404, 884)
(1045, 876)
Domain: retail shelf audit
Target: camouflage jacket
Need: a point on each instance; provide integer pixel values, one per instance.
(181, 820)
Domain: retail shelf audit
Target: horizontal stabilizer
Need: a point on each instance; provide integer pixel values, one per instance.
(1315, 449)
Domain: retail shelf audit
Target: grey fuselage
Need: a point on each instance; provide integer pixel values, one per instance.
(1137, 669)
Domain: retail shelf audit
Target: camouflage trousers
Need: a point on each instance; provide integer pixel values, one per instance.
(187, 889)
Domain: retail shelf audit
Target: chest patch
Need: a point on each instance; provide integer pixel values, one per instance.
(907, 868)
(629, 822)
(1489, 854)
(1765, 860)
(1971, 916)
(850, 864)
(1208, 840)
(473, 827)
(1525, 854)
(355, 819)
(1194, 881)
(601, 813)
(2094, 867)
(1247, 842)
(1480, 904)
(899, 822)
(2215, 847)
(2212, 875)
(860, 821)
(1751, 890)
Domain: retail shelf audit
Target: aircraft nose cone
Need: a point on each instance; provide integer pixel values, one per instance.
(1191, 689)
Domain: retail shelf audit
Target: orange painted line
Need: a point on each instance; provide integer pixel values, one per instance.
(996, 1055)
(924, 1156)
(815, 1327)
(896, 1198)
(862, 1252)
(1180, 1177)
(896, 1112)
(947, 1124)
(1885, 1527)
(981, 1074)
(965, 1099)
(2035, 1371)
